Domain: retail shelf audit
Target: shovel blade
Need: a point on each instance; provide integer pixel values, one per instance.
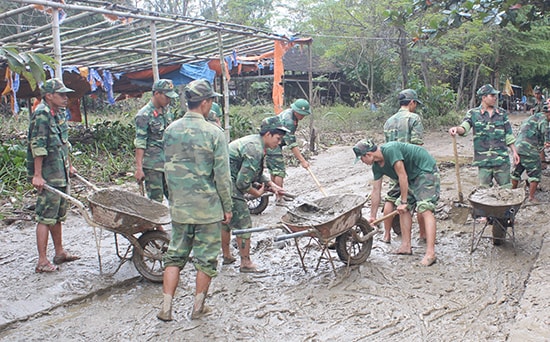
(459, 213)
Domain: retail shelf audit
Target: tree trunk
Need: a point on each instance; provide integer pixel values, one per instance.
(404, 55)
(474, 85)
(459, 93)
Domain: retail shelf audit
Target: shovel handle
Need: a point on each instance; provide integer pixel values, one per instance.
(457, 170)
(377, 221)
(317, 182)
(368, 236)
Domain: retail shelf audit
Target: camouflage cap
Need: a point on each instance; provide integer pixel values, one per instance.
(199, 90)
(537, 90)
(363, 147)
(165, 86)
(54, 85)
(301, 106)
(487, 89)
(408, 94)
(271, 123)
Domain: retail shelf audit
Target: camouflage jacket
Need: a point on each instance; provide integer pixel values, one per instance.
(150, 126)
(492, 135)
(537, 107)
(197, 170)
(405, 127)
(49, 138)
(246, 159)
(289, 121)
(532, 135)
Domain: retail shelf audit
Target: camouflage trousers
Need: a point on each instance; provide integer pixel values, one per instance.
(531, 165)
(275, 162)
(155, 185)
(501, 174)
(241, 217)
(203, 239)
(423, 192)
(51, 208)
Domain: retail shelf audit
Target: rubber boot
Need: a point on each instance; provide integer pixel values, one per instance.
(198, 306)
(165, 313)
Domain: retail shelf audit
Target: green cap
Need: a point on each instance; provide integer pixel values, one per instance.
(199, 90)
(301, 106)
(167, 87)
(537, 90)
(409, 95)
(363, 147)
(271, 123)
(486, 89)
(54, 85)
(216, 109)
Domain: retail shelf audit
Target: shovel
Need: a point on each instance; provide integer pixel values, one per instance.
(460, 211)
(317, 182)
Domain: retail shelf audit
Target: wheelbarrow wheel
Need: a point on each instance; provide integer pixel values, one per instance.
(349, 248)
(499, 231)
(148, 261)
(396, 225)
(257, 205)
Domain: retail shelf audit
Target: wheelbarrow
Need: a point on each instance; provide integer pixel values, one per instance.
(499, 207)
(333, 217)
(134, 217)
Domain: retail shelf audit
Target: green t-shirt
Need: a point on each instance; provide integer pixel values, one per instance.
(416, 160)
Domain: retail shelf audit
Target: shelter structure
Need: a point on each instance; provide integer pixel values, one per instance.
(123, 50)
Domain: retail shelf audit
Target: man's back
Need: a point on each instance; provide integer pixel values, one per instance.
(197, 170)
(405, 127)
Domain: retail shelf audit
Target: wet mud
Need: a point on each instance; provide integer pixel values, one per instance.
(496, 293)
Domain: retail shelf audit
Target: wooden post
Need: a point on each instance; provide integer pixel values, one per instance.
(310, 95)
(56, 44)
(225, 87)
(154, 57)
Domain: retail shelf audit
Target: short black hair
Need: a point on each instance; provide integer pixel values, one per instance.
(404, 102)
(193, 104)
(273, 132)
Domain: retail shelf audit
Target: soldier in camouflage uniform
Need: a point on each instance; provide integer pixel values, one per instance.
(416, 172)
(48, 163)
(199, 184)
(215, 115)
(532, 138)
(492, 137)
(151, 121)
(539, 100)
(246, 159)
(404, 126)
(298, 110)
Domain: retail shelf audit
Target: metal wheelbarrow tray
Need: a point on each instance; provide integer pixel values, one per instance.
(126, 213)
(500, 207)
(328, 218)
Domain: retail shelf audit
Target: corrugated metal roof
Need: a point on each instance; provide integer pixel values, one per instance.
(108, 36)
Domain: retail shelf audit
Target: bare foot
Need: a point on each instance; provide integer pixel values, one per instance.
(403, 251)
(428, 260)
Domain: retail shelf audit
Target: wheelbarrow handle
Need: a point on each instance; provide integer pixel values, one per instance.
(73, 200)
(87, 182)
(255, 229)
(294, 235)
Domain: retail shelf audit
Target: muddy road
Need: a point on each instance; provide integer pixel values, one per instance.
(494, 294)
